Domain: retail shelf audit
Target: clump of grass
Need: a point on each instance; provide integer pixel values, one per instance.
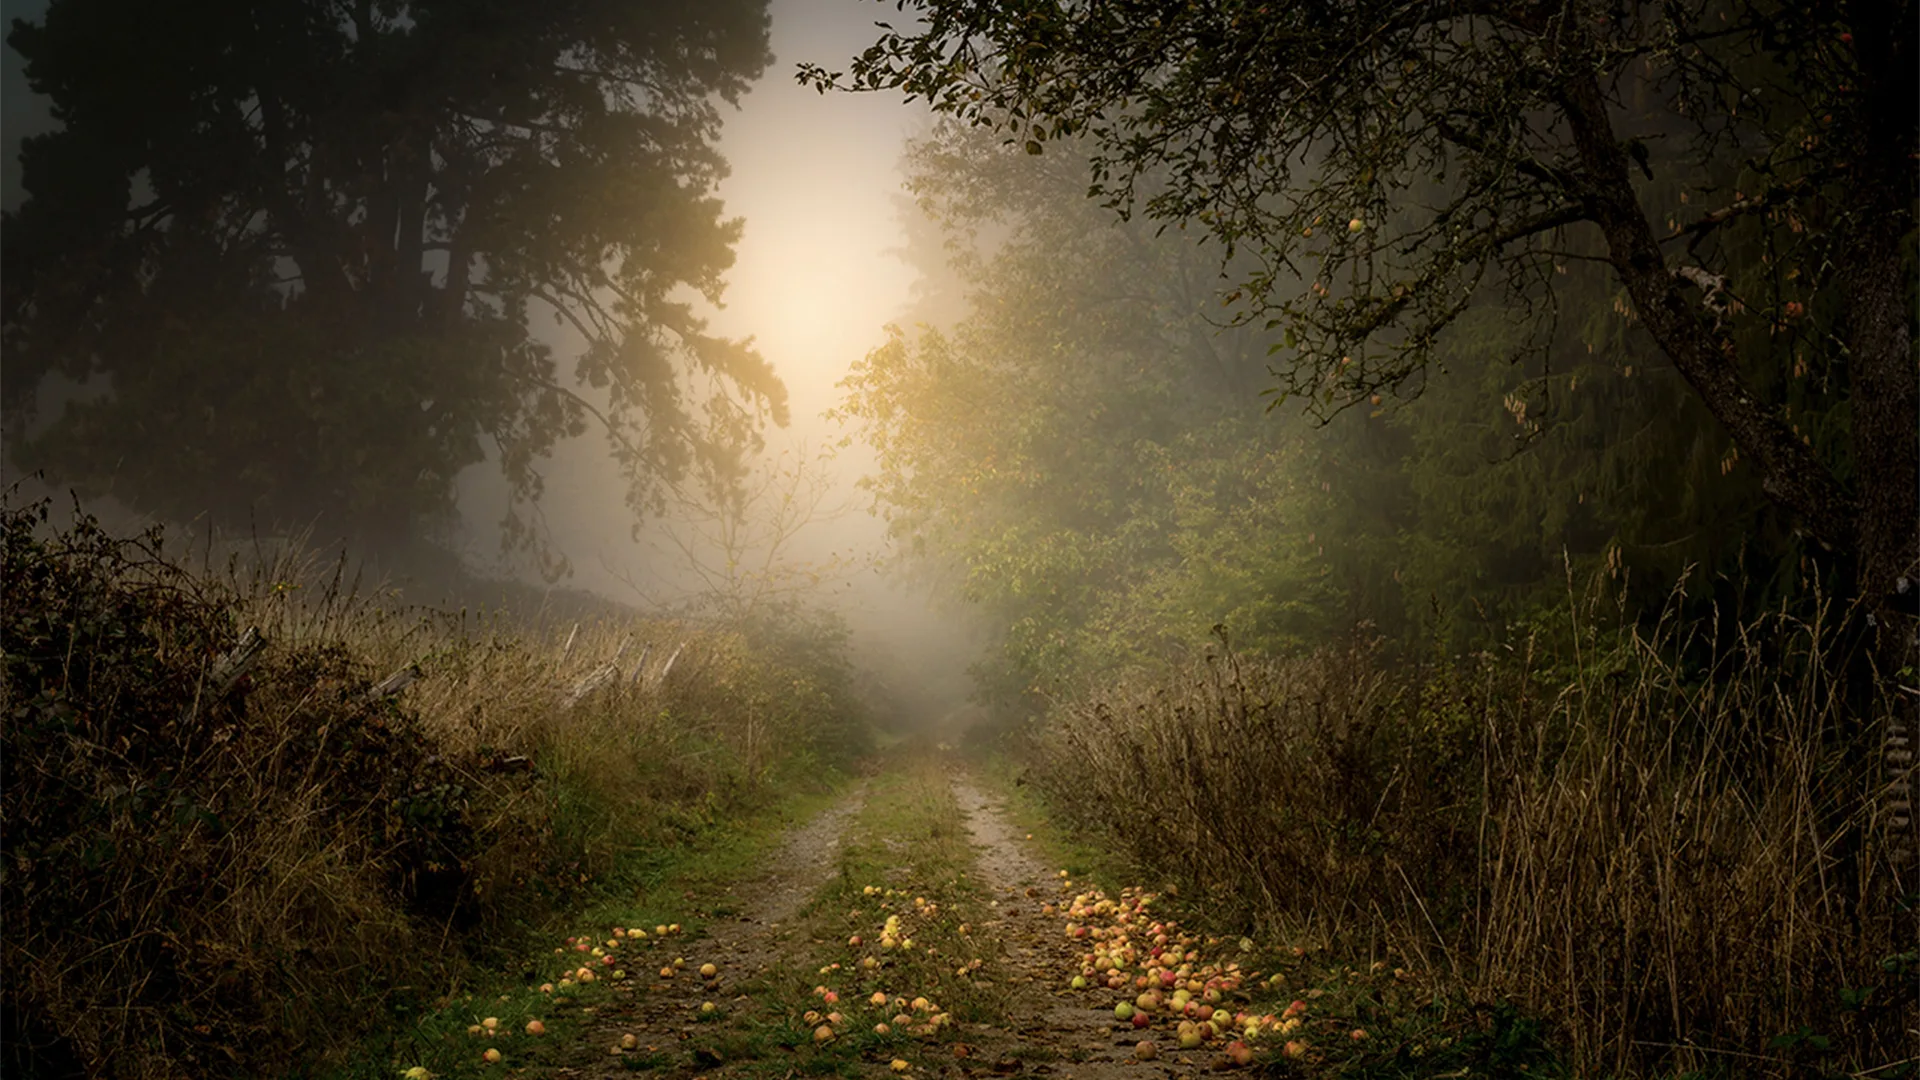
(1659, 843)
(232, 843)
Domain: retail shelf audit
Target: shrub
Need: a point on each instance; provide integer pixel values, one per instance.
(218, 854)
(1661, 846)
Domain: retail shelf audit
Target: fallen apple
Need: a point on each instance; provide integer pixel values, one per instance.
(492, 1056)
(535, 1027)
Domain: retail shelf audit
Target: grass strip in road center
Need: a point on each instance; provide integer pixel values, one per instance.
(887, 965)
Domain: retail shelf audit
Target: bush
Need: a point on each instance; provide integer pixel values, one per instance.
(217, 856)
(1661, 847)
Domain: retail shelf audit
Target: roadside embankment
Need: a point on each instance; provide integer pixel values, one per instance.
(251, 816)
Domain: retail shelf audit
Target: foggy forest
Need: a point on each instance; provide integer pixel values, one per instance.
(1091, 539)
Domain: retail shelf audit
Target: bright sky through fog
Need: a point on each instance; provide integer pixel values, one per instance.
(814, 176)
(813, 283)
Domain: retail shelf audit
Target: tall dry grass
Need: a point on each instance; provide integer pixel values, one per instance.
(1660, 841)
(219, 868)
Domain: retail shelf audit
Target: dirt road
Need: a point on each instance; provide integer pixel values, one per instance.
(909, 930)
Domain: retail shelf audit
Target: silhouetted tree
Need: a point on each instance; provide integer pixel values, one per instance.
(308, 244)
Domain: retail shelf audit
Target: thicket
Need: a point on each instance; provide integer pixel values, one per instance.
(1665, 847)
(229, 859)
(1648, 820)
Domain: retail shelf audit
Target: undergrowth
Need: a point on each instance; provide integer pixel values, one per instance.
(229, 859)
(1661, 851)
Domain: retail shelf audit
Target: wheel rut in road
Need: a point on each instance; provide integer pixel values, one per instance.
(1047, 1020)
(776, 934)
(752, 940)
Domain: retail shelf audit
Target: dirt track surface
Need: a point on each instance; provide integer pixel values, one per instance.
(1048, 1019)
(766, 936)
(754, 939)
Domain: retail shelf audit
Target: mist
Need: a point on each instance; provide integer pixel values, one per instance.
(816, 274)
(1339, 511)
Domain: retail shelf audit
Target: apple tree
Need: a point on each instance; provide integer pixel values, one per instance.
(1745, 169)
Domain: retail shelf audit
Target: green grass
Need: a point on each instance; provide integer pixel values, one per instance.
(909, 845)
(648, 887)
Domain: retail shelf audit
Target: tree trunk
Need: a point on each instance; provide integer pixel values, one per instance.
(1789, 471)
(1877, 137)
(1885, 402)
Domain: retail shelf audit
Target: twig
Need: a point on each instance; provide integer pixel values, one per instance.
(236, 661)
(1705, 1049)
(391, 686)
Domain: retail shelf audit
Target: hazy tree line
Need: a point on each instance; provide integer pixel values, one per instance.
(1541, 300)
